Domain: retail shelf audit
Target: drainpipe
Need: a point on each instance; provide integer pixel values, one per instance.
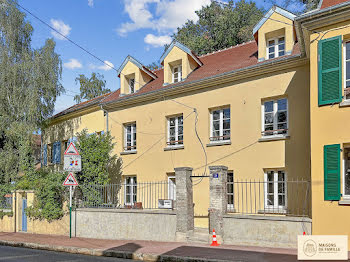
(15, 209)
(106, 113)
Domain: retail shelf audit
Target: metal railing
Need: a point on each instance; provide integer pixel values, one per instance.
(145, 195)
(6, 202)
(251, 197)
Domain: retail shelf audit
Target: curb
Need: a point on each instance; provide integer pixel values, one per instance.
(108, 253)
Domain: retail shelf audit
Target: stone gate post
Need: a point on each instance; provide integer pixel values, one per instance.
(218, 199)
(184, 203)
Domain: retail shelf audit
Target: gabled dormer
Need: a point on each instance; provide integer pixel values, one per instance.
(275, 34)
(133, 75)
(178, 61)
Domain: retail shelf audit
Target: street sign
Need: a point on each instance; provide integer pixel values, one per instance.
(71, 150)
(70, 180)
(72, 163)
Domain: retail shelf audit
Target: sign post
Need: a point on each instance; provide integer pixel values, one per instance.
(72, 163)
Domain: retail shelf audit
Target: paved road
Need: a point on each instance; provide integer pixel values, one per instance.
(16, 254)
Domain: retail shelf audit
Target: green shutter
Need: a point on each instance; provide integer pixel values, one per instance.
(329, 71)
(332, 172)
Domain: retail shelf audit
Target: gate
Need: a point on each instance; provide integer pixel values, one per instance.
(24, 215)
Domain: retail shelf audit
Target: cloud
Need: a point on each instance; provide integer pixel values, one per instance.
(157, 41)
(73, 64)
(61, 27)
(168, 14)
(104, 67)
(91, 3)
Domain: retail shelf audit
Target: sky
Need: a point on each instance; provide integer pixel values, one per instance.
(111, 30)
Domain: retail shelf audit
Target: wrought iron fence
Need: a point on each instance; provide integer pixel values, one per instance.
(6, 202)
(269, 197)
(145, 195)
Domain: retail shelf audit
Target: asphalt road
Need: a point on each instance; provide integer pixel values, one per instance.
(14, 254)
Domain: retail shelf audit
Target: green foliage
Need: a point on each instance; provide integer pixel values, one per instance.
(29, 86)
(220, 26)
(91, 87)
(303, 5)
(3, 213)
(49, 194)
(99, 166)
(153, 66)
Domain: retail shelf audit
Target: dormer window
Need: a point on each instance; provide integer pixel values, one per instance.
(177, 74)
(275, 47)
(132, 85)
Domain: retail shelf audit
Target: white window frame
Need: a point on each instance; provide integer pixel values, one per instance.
(131, 87)
(276, 207)
(179, 73)
(177, 142)
(276, 45)
(344, 69)
(344, 196)
(275, 119)
(132, 141)
(132, 193)
(173, 185)
(221, 130)
(231, 206)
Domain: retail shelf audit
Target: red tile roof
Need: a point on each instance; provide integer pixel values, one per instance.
(82, 105)
(223, 61)
(328, 3)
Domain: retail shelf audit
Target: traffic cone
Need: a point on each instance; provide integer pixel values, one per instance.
(214, 242)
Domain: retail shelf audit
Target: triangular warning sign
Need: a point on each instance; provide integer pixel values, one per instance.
(70, 180)
(71, 150)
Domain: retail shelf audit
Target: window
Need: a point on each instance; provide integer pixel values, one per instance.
(275, 47)
(347, 70)
(220, 125)
(230, 188)
(171, 188)
(275, 189)
(177, 74)
(130, 190)
(175, 131)
(275, 117)
(130, 137)
(346, 184)
(132, 85)
(56, 153)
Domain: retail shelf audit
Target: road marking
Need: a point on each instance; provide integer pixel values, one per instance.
(14, 257)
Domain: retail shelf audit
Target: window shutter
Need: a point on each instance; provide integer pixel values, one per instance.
(329, 71)
(58, 154)
(332, 172)
(53, 161)
(45, 155)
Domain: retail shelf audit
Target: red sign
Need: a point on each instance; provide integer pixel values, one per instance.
(71, 150)
(70, 180)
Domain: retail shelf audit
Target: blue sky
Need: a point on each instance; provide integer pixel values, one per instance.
(110, 29)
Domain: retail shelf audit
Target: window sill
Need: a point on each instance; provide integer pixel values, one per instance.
(128, 152)
(273, 138)
(219, 143)
(280, 211)
(345, 103)
(175, 147)
(344, 202)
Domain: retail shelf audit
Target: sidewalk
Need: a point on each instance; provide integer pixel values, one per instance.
(147, 250)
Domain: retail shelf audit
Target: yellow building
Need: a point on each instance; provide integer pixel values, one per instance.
(245, 107)
(326, 35)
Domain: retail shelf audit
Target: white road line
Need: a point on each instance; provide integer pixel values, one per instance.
(16, 257)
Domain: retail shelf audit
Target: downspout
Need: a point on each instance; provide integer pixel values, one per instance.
(106, 114)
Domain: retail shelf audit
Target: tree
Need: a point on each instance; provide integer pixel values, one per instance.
(220, 26)
(305, 5)
(91, 87)
(153, 66)
(29, 86)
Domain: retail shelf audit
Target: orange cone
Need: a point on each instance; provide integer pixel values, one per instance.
(214, 242)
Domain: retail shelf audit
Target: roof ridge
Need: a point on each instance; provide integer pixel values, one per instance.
(227, 48)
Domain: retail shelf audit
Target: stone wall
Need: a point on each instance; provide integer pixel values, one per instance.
(268, 231)
(7, 224)
(157, 225)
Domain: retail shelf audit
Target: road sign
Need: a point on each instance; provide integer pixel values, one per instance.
(72, 163)
(71, 150)
(70, 180)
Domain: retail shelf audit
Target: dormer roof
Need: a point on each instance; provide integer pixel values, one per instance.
(138, 64)
(274, 9)
(183, 48)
